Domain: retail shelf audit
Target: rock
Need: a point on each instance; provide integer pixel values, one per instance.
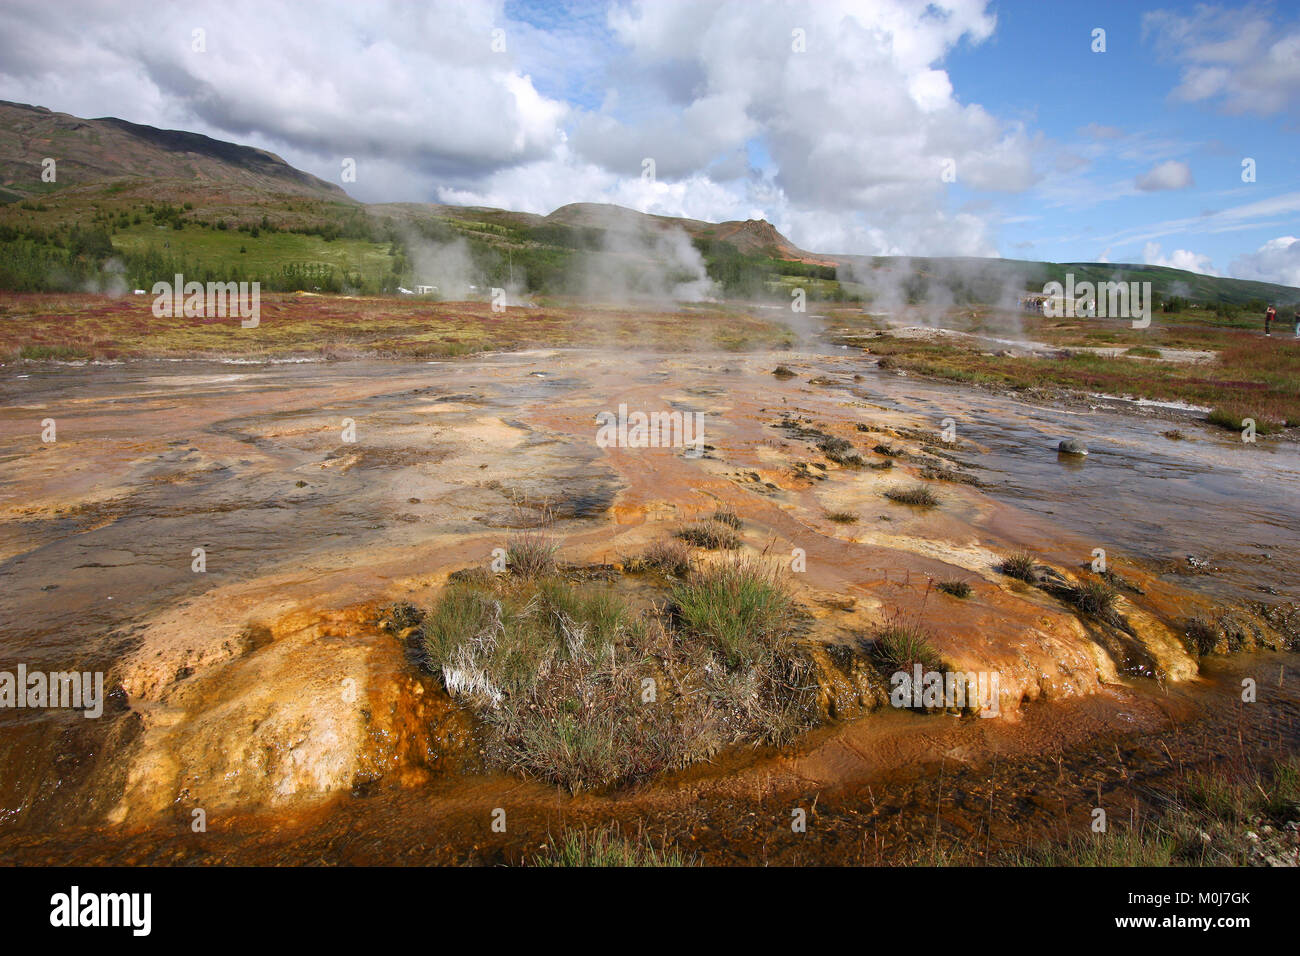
(1072, 446)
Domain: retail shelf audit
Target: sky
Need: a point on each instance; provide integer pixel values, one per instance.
(1165, 133)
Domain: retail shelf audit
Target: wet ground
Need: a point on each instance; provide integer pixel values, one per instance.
(317, 491)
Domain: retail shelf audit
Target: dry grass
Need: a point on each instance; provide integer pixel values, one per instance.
(919, 495)
(709, 535)
(668, 556)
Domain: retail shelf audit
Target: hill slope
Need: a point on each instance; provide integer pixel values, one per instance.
(99, 150)
(170, 198)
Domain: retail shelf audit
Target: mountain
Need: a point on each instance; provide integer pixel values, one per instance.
(111, 149)
(178, 199)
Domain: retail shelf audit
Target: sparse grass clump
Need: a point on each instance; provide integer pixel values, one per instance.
(1219, 818)
(1202, 635)
(842, 517)
(728, 517)
(531, 554)
(901, 646)
(668, 556)
(1096, 598)
(1020, 565)
(709, 535)
(606, 847)
(958, 589)
(840, 451)
(919, 495)
(782, 372)
(1143, 351)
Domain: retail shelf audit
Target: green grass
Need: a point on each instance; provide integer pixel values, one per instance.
(606, 847)
(842, 517)
(569, 685)
(739, 610)
(1142, 351)
(267, 254)
(52, 353)
(901, 645)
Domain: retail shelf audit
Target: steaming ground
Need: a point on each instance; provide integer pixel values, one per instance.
(228, 681)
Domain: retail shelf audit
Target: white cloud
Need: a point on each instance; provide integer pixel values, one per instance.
(1178, 259)
(1240, 59)
(1277, 260)
(849, 138)
(1172, 174)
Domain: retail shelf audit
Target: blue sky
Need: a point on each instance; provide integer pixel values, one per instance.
(1128, 88)
(833, 119)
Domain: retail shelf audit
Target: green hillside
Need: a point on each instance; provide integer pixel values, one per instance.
(133, 204)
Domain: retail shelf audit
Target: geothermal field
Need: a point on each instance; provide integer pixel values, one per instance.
(445, 443)
(349, 610)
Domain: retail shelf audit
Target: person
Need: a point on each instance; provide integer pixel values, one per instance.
(1269, 315)
(1297, 322)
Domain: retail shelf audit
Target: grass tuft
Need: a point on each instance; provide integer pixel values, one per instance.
(1020, 565)
(709, 535)
(919, 495)
(958, 589)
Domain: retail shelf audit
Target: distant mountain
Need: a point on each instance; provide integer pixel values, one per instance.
(108, 149)
(199, 198)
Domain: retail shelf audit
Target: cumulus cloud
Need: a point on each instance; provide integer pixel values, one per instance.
(1241, 60)
(1277, 260)
(416, 88)
(1178, 259)
(1172, 174)
(843, 135)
